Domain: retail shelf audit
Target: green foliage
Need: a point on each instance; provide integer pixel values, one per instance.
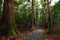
(23, 17)
(56, 14)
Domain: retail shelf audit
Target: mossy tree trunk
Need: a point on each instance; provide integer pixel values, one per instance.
(8, 19)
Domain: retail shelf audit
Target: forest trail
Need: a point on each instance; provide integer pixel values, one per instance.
(47, 37)
(30, 35)
(26, 35)
(35, 35)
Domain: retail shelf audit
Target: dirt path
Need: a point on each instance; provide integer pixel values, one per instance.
(53, 37)
(34, 34)
(23, 34)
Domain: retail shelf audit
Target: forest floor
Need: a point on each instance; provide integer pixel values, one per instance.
(48, 37)
(23, 34)
(51, 36)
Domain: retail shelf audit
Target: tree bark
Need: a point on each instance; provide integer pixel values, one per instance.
(47, 11)
(8, 19)
(49, 17)
(33, 14)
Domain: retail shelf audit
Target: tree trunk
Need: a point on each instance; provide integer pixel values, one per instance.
(49, 17)
(47, 11)
(33, 14)
(8, 19)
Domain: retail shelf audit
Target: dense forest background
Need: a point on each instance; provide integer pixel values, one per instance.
(21, 15)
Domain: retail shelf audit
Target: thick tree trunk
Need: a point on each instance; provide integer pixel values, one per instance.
(8, 19)
(13, 29)
(4, 21)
